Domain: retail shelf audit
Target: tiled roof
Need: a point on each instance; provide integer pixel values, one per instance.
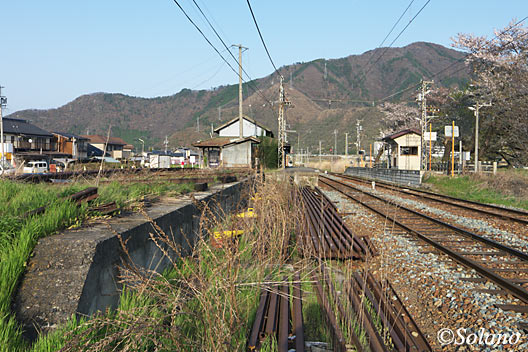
(97, 139)
(69, 135)
(214, 142)
(18, 126)
(402, 133)
(223, 141)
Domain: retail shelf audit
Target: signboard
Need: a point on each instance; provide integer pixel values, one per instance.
(193, 159)
(448, 133)
(430, 138)
(466, 156)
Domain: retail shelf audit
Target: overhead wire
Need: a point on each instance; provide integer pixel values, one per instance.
(212, 45)
(261, 38)
(386, 37)
(256, 90)
(398, 36)
(458, 61)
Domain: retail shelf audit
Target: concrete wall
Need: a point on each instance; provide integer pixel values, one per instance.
(77, 271)
(237, 155)
(404, 177)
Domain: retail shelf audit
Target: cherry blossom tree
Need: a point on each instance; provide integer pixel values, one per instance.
(500, 66)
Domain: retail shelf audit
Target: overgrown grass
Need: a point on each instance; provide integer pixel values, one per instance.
(507, 188)
(206, 301)
(19, 234)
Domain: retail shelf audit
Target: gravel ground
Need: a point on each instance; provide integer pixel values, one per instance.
(431, 284)
(481, 226)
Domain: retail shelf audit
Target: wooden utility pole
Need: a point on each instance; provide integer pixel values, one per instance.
(346, 143)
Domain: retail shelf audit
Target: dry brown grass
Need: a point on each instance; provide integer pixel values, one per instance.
(207, 300)
(509, 182)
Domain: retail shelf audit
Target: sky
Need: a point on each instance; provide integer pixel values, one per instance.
(54, 51)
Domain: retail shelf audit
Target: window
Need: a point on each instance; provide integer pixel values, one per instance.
(408, 150)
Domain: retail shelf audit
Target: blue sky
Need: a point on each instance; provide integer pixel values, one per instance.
(53, 51)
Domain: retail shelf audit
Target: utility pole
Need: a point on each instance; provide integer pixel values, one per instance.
(335, 142)
(320, 151)
(283, 103)
(166, 142)
(476, 109)
(291, 80)
(198, 124)
(240, 118)
(3, 102)
(346, 143)
(423, 120)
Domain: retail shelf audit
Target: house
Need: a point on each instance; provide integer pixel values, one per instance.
(404, 149)
(25, 141)
(75, 146)
(114, 148)
(229, 149)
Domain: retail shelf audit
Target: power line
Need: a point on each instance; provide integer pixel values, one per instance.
(211, 44)
(225, 46)
(387, 36)
(454, 63)
(261, 38)
(398, 36)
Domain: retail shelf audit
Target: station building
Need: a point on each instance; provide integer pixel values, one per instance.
(228, 148)
(404, 149)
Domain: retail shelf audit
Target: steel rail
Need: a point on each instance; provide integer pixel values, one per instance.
(510, 286)
(335, 238)
(445, 199)
(492, 243)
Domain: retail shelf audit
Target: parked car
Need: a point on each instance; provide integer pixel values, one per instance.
(36, 167)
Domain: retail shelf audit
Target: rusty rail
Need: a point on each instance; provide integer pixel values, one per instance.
(277, 308)
(325, 234)
(398, 331)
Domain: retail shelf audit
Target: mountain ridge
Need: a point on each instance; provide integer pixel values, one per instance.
(326, 93)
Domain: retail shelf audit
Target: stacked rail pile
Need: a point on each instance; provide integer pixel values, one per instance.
(398, 330)
(325, 235)
(279, 314)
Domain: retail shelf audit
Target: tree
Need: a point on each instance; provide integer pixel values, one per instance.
(501, 69)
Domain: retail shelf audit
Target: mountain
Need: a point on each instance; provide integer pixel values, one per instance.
(326, 94)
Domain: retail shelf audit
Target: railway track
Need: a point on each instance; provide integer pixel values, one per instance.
(515, 215)
(493, 261)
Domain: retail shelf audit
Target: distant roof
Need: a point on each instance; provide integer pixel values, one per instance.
(94, 151)
(69, 135)
(224, 141)
(214, 142)
(97, 139)
(402, 133)
(234, 120)
(18, 126)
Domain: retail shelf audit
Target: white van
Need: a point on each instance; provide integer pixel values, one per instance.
(36, 167)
